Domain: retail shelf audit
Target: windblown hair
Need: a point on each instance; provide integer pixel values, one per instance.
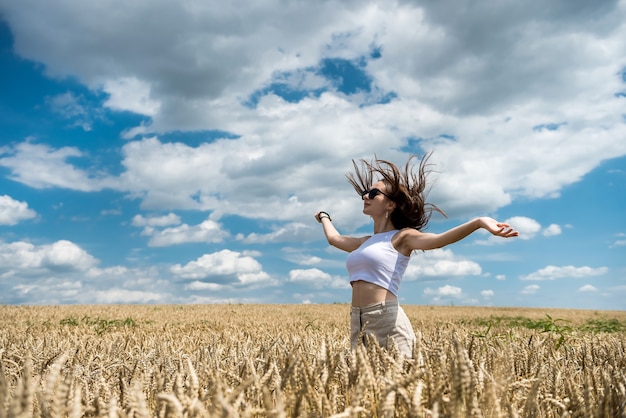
(406, 188)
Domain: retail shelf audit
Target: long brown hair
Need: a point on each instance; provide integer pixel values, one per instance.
(406, 188)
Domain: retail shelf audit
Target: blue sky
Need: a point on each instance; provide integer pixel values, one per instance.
(175, 152)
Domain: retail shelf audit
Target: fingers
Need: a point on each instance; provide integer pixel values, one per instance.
(506, 230)
(507, 233)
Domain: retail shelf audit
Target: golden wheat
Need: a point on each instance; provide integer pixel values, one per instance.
(292, 361)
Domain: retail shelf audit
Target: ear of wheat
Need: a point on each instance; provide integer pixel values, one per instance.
(247, 360)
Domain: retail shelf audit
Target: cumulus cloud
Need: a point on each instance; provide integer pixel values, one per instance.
(130, 94)
(223, 267)
(527, 227)
(444, 293)
(448, 93)
(49, 291)
(29, 260)
(60, 273)
(198, 285)
(114, 295)
(13, 211)
(620, 241)
(75, 109)
(296, 232)
(530, 289)
(587, 288)
(156, 221)
(565, 272)
(207, 231)
(52, 168)
(306, 260)
(317, 279)
(487, 294)
(552, 230)
(439, 263)
(493, 113)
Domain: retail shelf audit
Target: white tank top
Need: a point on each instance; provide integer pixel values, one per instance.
(377, 261)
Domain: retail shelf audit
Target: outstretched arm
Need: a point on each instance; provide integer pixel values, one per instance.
(334, 238)
(411, 239)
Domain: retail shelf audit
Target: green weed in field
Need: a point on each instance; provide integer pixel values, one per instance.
(100, 325)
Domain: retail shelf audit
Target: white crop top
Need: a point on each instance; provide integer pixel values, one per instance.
(377, 261)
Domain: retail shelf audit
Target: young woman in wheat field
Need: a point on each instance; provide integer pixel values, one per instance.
(377, 262)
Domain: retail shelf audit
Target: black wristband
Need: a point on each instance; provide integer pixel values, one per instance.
(319, 216)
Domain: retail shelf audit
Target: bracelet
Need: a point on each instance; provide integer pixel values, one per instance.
(319, 216)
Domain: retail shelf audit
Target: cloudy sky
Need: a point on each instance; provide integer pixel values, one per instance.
(159, 151)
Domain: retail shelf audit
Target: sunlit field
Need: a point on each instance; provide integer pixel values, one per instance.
(295, 361)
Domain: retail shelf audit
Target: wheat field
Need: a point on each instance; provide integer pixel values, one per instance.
(295, 361)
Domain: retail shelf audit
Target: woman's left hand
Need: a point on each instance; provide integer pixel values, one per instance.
(499, 229)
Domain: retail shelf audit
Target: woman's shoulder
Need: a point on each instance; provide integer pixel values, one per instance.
(408, 232)
(402, 240)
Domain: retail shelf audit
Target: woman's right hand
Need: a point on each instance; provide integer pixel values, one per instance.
(321, 215)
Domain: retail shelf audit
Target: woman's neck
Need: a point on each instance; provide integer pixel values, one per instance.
(383, 225)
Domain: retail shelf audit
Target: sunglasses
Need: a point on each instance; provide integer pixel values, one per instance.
(371, 194)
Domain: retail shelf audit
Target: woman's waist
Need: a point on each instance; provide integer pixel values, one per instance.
(365, 293)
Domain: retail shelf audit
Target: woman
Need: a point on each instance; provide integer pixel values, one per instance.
(376, 264)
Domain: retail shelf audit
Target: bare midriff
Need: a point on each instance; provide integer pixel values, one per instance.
(366, 294)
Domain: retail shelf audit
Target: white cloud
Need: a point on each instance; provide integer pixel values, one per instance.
(552, 230)
(197, 285)
(317, 279)
(620, 242)
(587, 288)
(565, 272)
(172, 175)
(207, 231)
(487, 294)
(494, 109)
(29, 260)
(115, 271)
(302, 259)
(73, 108)
(446, 290)
(223, 267)
(295, 231)
(13, 211)
(448, 85)
(114, 295)
(130, 94)
(66, 254)
(527, 227)
(530, 289)
(67, 104)
(166, 220)
(41, 166)
(444, 293)
(439, 263)
(313, 276)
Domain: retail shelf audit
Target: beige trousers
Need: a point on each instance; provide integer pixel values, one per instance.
(385, 321)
